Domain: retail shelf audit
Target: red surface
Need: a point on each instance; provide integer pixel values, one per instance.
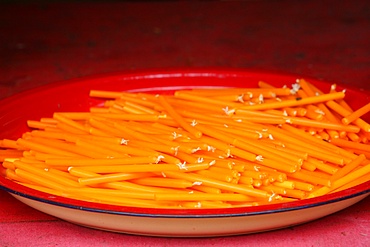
(44, 43)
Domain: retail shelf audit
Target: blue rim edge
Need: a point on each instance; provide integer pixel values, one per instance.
(95, 210)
